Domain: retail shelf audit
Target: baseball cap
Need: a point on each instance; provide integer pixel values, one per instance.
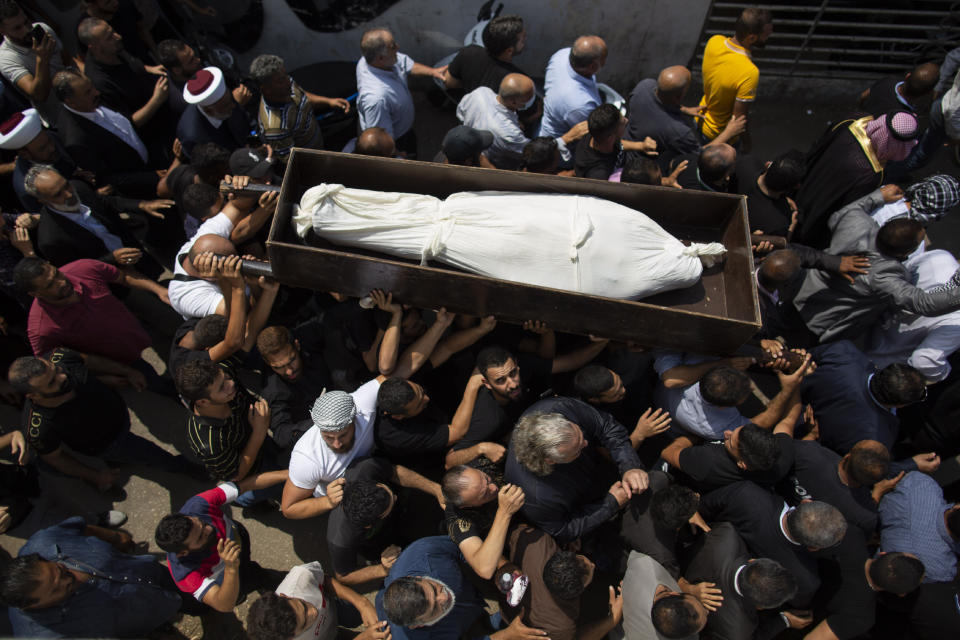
(463, 142)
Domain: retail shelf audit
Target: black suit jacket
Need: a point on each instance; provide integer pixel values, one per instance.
(61, 240)
(755, 513)
(716, 560)
(111, 159)
(194, 129)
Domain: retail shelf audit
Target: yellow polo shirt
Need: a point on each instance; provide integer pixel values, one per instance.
(728, 75)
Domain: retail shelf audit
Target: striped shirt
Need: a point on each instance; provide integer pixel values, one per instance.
(218, 442)
(197, 571)
(288, 125)
(911, 520)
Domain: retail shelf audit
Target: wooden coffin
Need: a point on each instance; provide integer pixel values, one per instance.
(717, 315)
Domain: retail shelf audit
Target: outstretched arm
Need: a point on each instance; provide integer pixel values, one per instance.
(419, 352)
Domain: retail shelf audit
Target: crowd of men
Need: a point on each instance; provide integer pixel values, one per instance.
(592, 488)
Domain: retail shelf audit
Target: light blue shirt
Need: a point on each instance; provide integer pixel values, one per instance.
(911, 521)
(691, 413)
(91, 224)
(383, 98)
(569, 96)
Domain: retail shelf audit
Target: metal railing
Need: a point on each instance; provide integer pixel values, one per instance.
(845, 38)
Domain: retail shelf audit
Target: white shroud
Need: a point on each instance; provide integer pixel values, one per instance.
(570, 242)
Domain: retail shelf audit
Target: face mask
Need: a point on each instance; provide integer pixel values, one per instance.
(529, 102)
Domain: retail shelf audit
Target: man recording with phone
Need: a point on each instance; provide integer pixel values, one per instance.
(30, 55)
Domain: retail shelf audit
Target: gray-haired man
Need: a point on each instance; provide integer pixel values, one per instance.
(552, 457)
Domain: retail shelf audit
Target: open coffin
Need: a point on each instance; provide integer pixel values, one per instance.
(716, 315)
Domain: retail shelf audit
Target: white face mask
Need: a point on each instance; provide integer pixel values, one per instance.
(530, 102)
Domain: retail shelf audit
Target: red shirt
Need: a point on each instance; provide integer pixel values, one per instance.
(98, 323)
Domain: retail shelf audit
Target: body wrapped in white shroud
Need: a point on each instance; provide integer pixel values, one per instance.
(570, 242)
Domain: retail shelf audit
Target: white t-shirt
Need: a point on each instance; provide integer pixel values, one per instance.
(644, 575)
(305, 581)
(17, 61)
(197, 298)
(313, 464)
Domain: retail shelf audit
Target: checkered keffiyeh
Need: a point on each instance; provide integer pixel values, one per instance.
(333, 411)
(893, 135)
(949, 285)
(933, 197)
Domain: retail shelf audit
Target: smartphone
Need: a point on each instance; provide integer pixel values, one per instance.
(37, 33)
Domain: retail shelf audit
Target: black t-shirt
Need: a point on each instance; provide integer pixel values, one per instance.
(463, 523)
(590, 163)
(417, 443)
(845, 596)
(290, 402)
(688, 177)
(345, 539)
(815, 468)
(124, 87)
(474, 67)
(348, 331)
(710, 466)
(180, 356)
(181, 177)
(491, 421)
(88, 423)
(125, 22)
(772, 216)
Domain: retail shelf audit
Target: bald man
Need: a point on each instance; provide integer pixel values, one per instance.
(194, 291)
(497, 113)
(375, 141)
(779, 278)
(907, 93)
(571, 85)
(715, 166)
(656, 110)
(383, 98)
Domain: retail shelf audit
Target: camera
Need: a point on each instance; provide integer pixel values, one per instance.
(37, 33)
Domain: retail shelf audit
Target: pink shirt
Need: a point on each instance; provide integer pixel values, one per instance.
(98, 323)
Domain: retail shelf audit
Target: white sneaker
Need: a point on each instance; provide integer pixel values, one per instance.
(517, 589)
(111, 519)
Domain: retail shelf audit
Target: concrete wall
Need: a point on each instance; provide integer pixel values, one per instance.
(643, 35)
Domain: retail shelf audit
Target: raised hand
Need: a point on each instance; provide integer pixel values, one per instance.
(510, 499)
(652, 423)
